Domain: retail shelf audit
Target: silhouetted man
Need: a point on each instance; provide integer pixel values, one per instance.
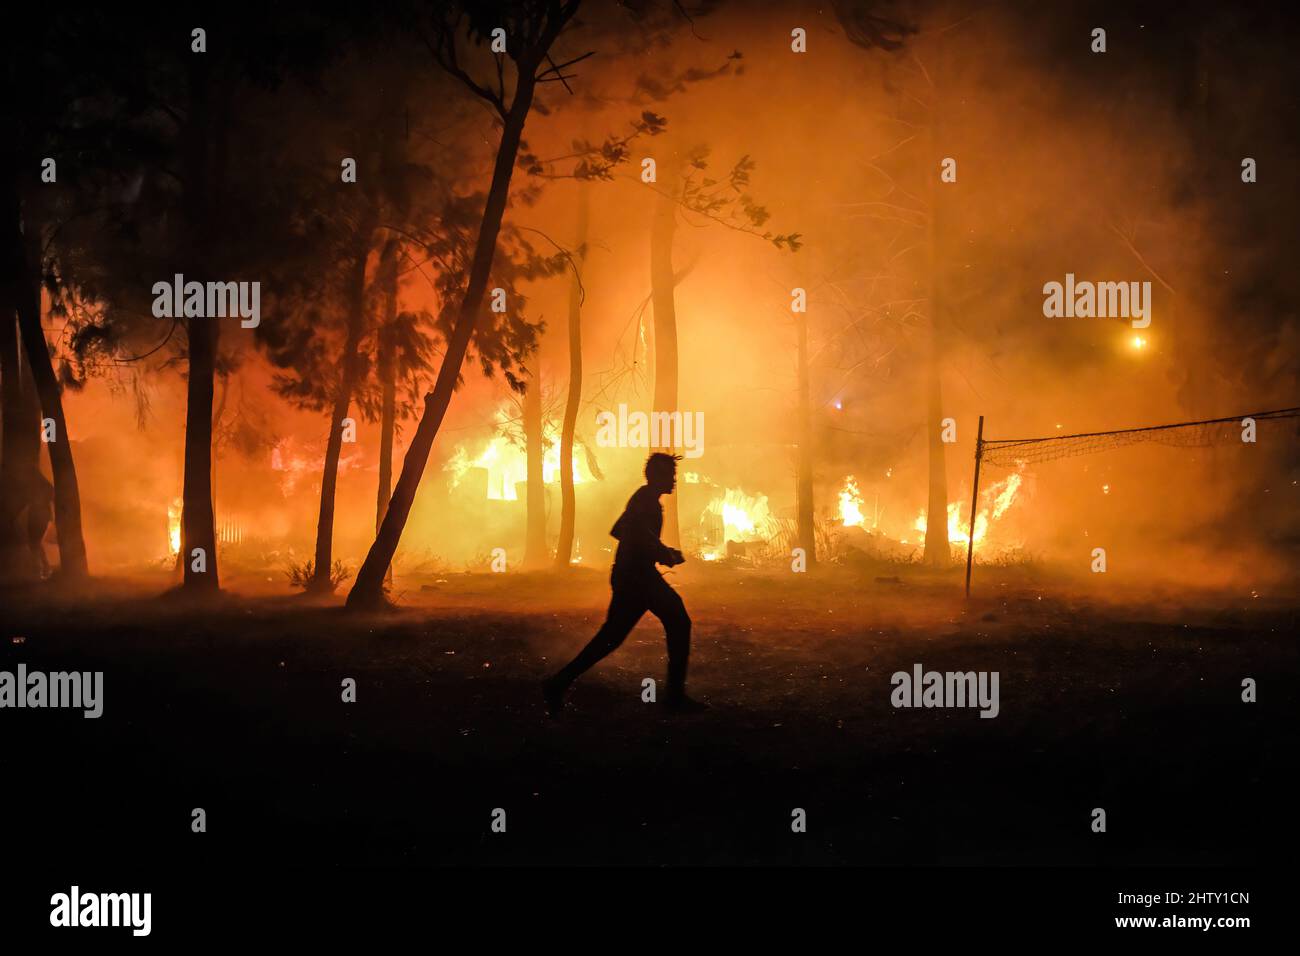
(638, 587)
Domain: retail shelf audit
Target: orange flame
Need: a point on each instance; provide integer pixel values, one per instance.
(998, 499)
(744, 518)
(506, 462)
(174, 526)
(851, 504)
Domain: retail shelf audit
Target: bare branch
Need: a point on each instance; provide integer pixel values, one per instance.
(1128, 242)
(558, 68)
(444, 54)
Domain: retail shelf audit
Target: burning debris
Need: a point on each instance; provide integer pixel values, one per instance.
(503, 463)
(734, 520)
(851, 504)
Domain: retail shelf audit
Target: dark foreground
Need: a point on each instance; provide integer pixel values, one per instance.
(1134, 707)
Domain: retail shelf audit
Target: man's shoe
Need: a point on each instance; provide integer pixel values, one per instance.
(553, 694)
(685, 705)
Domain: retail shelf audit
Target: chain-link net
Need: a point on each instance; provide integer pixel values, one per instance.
(1014, 452)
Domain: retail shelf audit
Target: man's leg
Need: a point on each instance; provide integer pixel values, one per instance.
(666, 604)
(625, 609)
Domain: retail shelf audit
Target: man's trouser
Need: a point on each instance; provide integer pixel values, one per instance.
(635, 593)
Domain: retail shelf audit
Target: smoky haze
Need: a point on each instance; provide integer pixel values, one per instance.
(1115, 167)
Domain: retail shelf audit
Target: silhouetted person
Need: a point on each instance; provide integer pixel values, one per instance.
(638, 587)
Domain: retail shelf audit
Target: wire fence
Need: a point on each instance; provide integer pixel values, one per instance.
(1016, 452)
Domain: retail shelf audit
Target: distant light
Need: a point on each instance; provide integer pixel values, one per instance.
(1138, 343)
(1105, 489)
(1058, 425)
(839, 405)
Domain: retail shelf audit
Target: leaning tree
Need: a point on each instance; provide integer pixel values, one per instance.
(520, 37)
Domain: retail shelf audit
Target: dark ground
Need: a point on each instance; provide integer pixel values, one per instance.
(236, 708)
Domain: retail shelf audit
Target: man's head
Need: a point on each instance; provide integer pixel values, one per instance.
(661, 472)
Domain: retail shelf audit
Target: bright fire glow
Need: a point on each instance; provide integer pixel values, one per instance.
(174, 526)
(551, 464)
(997, 500)
(851, 504)
(506, 463)
(744, 518)
(299, 464)
(737, 519)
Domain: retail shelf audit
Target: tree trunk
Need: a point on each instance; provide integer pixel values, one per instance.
(67, 497)
(21, 459)
(367, 591)
(11, 484)
(535, 534)
(387, 371)
(217, 415)
(568, 500)
(321, 582)
(198, 522)
(35, 500)
(938, 551)
(198, 525)
(15, 561)
(662, 291)
(804, 469)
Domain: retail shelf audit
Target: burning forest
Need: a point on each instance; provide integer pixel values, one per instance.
(550, 389)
